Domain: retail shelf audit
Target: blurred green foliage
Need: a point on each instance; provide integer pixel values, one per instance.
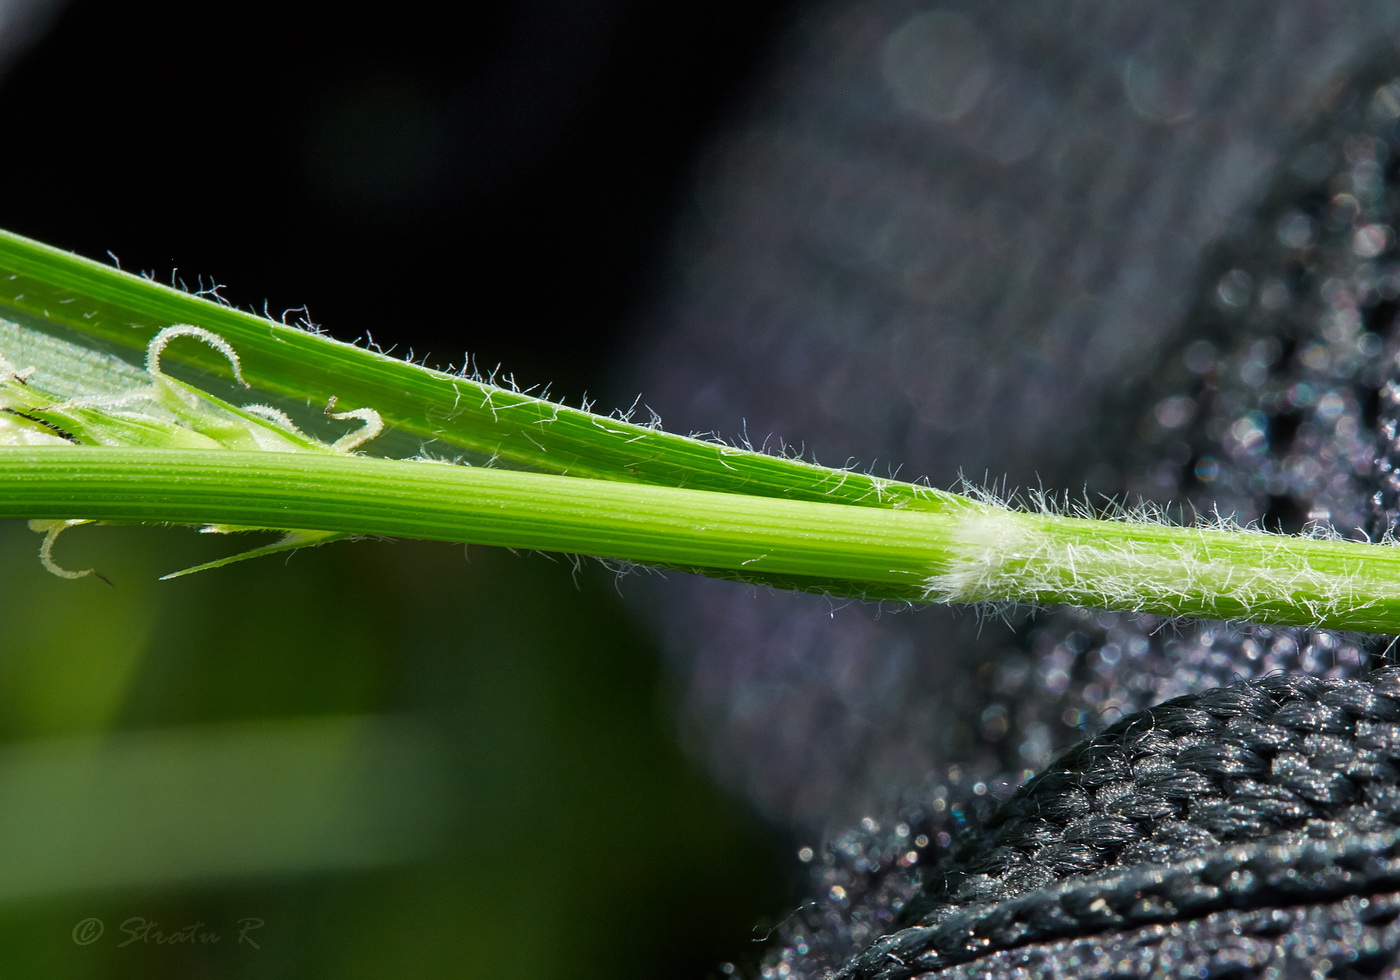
(404, 761)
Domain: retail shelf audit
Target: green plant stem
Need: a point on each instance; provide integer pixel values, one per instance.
(650, 496)
(963, 551)
(886, 553)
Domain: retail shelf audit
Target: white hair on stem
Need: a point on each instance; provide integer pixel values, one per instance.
(1010, 555)
(373, 426)
(162, 340)
(51, 529)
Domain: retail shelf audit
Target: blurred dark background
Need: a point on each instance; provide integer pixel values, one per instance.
(945, 235)
(404, 762)
(498, 177)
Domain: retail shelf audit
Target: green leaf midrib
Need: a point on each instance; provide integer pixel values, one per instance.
(519, 430)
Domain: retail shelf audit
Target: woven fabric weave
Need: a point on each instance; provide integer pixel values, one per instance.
(1256, 798)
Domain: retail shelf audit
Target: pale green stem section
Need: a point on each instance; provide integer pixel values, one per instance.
(1179, 571)
(964, 551)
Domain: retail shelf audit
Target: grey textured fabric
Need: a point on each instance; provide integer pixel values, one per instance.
(1145, 251)
(994, 283)
(1266, 795)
